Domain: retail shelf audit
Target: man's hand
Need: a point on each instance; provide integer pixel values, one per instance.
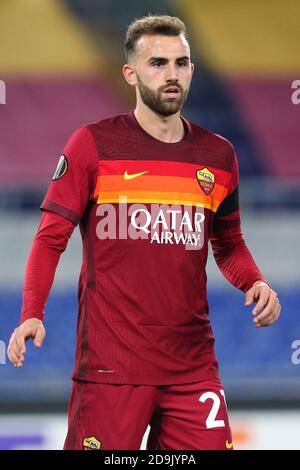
(32, 328)
(267, 309)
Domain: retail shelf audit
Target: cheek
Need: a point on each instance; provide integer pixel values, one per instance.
(154, 75)
(154, 81)
(148, 77)
(185, 80)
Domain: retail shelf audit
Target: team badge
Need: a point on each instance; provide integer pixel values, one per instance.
(206, 180)
(229, 445)
(61, 168)
(91, 443)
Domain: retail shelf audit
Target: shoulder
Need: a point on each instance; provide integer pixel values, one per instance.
(105, 125)
(213, 143)
(84, 135)
(81, 147)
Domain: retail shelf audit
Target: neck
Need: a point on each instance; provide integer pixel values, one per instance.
(168, 129)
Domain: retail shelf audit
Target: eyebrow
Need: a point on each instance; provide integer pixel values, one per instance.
(166, 60)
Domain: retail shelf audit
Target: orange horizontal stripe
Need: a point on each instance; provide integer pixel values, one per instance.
(156, 183)
(160, 201)
(158, 197)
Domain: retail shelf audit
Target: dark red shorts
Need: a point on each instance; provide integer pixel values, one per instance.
(181, 417)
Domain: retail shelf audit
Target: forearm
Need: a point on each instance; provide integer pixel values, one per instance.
(48, 245)
(234, 259)
(39, 276)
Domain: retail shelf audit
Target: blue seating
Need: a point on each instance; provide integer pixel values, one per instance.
(244, 352)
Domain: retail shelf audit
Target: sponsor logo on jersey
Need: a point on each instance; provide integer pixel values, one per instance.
(133, 175)
(206, 180)
(159, 223)
(61, 168)
(91, 443)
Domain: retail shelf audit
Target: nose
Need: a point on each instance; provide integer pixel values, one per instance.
(171, 73)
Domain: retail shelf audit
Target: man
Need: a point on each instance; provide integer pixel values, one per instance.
(149, 189)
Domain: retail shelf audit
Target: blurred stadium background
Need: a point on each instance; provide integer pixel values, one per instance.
(61, 63)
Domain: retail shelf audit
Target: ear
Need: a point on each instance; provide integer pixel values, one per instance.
(129, 74)
(192, 68)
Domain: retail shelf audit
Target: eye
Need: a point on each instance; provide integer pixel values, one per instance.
(182, 63)
(158, 63)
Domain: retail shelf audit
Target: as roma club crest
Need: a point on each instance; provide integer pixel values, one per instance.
(91, 443)
(206, 180)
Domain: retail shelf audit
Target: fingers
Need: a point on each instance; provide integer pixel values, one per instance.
(252, 293)
(20, 340)
(263, 295)
(249, 298)
(268, 308)
(39, 337)
(16, 349)
(270, 312)
(12, 355)
(32, 328)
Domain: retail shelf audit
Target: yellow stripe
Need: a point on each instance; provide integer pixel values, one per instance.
(42, 38)
(254, 37)
(111, 200)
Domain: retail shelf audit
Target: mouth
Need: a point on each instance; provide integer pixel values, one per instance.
(172, 92)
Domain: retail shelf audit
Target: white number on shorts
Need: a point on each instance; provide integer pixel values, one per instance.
(211, 421)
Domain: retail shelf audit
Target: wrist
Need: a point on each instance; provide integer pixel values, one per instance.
(28, 316)
(259, 283)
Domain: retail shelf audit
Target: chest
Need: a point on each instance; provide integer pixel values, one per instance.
(161, 182)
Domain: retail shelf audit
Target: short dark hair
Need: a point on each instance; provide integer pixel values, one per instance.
(152, 24)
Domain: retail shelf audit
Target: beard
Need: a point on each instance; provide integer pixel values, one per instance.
(159, 103)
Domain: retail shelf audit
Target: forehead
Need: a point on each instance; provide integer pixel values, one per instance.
(161, 46)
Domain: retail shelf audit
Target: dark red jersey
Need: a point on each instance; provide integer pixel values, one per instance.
(147, 210)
